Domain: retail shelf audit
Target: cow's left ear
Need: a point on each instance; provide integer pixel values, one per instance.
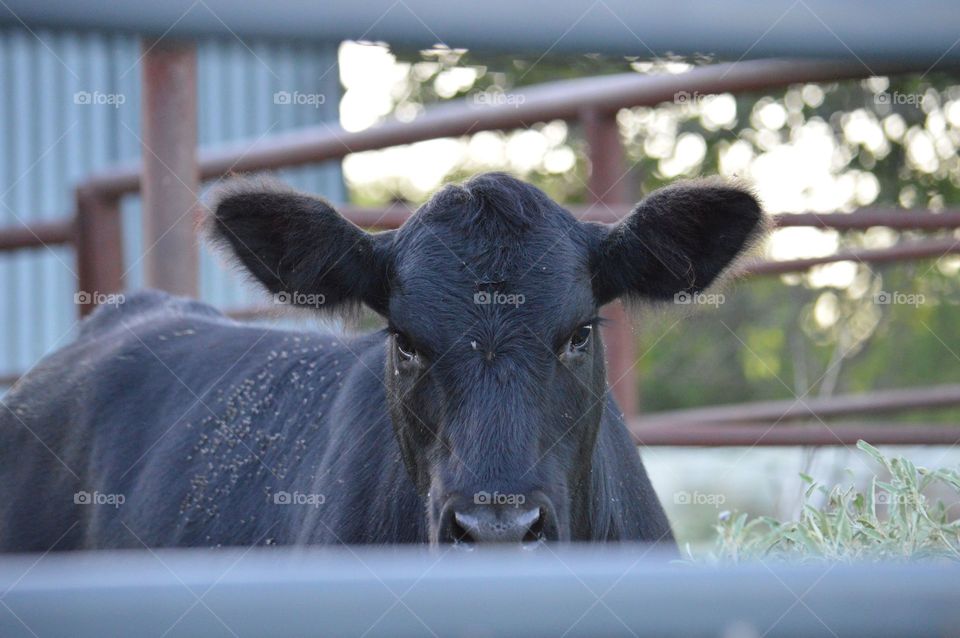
(299, 247)
(678, 239)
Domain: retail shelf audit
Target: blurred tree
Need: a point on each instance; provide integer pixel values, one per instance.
(889, 142)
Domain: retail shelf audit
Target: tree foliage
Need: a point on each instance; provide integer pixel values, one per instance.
(886, 142)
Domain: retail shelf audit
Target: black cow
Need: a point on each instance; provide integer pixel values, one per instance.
(480, 413)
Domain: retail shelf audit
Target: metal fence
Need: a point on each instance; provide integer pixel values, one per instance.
(59, 129)
(563, 591)
(96, 229)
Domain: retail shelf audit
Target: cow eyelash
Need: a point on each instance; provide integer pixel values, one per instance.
(580, 338)
(404, 348)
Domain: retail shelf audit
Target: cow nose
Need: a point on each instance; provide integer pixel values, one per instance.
(494, 524)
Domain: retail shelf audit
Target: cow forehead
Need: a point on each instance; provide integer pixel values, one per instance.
(489, 256)
(448, 284)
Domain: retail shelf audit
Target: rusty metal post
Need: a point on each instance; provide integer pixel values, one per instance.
(171, 178)
(607, 186)
(99, 248)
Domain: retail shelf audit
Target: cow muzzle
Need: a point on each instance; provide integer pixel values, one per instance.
(525, 519)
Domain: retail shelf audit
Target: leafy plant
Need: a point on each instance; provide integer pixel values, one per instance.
(892, 520)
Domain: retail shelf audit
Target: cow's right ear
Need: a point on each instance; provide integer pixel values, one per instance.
(677, 240)
(298, 246)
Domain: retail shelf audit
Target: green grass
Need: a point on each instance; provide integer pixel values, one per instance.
(893, 520)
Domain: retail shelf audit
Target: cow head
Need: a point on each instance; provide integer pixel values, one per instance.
(494, 366)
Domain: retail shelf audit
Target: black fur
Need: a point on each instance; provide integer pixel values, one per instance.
(679, 239)
(298, 244)
(199, 421)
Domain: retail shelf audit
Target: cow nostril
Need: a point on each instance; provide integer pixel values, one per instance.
(498, 525)
(458, 532)
(535, 531)
(466, 528)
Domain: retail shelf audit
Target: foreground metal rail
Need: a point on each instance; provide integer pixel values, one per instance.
(573, 591)
(923, 31)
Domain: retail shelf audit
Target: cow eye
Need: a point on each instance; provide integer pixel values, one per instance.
(581, 337)
(404, 348)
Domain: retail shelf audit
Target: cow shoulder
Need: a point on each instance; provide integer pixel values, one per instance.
(140, 305)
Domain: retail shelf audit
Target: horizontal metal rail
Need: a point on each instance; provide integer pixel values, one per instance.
(9, 379)
(881, 402)
(399, 592)
(903, 251)
(774, 435)
(922, 31)
(62, 231)
(565, 100)
(37, 234)
(864, 218)
(395, 215)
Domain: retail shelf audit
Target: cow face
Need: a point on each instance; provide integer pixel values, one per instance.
(494, 366)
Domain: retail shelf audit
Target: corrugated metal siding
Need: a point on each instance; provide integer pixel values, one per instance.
(48, 143)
